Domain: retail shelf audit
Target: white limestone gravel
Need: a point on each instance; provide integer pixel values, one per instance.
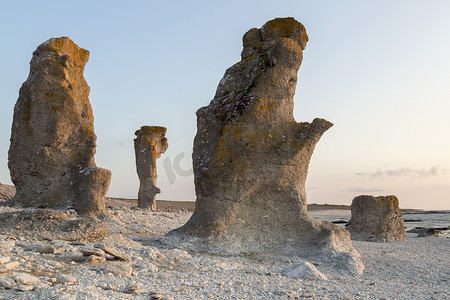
(418, 268)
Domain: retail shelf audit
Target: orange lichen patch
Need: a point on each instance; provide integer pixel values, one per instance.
(391, 201)
(151, 129)
(238, 139)
(285, 27)
(66, 49)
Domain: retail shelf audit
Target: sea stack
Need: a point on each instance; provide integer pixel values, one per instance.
(150, 143)
(251, 159)
(376, 219)
(52, 137)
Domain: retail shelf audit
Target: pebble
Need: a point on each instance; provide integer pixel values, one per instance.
(46, 249)
(303, 270)
(114, 252)
(134, 287)
(88, 251)
(95, 258)
(156, 295)
(25, 279)
(118, 268)
(9, 266)
(24, 288)
(4, 259)
(7, 283)
(66, 279)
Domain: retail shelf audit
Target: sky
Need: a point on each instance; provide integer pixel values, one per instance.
(379, 70)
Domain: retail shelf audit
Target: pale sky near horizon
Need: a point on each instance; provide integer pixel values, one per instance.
(379, 70)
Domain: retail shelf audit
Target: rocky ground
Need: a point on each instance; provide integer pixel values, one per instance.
(128, 264)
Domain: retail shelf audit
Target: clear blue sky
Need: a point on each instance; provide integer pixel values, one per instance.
(379, 70)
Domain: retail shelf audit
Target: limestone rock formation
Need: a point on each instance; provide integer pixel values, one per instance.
(303, 270)
(377, 219)
(149, 144)
(52, 135)
(92, 185)
(251, 160)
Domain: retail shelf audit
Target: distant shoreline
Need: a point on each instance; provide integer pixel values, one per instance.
(190, 206)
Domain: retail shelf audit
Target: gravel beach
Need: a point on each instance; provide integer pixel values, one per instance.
(128, 264)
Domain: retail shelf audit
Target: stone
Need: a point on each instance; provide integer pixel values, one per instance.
(7, 192)
(7, 283)
(134, 287)
(52, 135)
(5, 246)
(146, 266)
(66, 279)
(114, 252)
(303, 270)
(9, 266)
(150, 143)
(376, 219)
(24, 288)
(95, 258)
(251, 159)
(25, 279)
(156, 295)
(118, 268)
(40, 248)
(46, 249)
(87, 251)
(4, 259)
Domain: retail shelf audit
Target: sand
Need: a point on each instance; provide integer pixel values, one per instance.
(418, 268)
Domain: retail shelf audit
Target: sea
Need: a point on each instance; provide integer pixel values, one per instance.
(438, 219)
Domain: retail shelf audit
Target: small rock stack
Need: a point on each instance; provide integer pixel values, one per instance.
(150, 143)
(377, 219)
(51, 156)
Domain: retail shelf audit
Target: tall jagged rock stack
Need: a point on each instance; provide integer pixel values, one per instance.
(149, 144)
(251, 160)
(51, 156)
(376, 219)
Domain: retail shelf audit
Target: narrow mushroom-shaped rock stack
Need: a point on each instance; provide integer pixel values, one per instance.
(51, 155)
(251, 160)
(149, 144)
(376, 219)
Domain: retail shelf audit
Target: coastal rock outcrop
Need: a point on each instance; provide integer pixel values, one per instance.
(377, 219)
(150, 143)
(251, 160)
(52, 137)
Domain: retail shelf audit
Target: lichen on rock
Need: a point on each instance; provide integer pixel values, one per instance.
(251, 160)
